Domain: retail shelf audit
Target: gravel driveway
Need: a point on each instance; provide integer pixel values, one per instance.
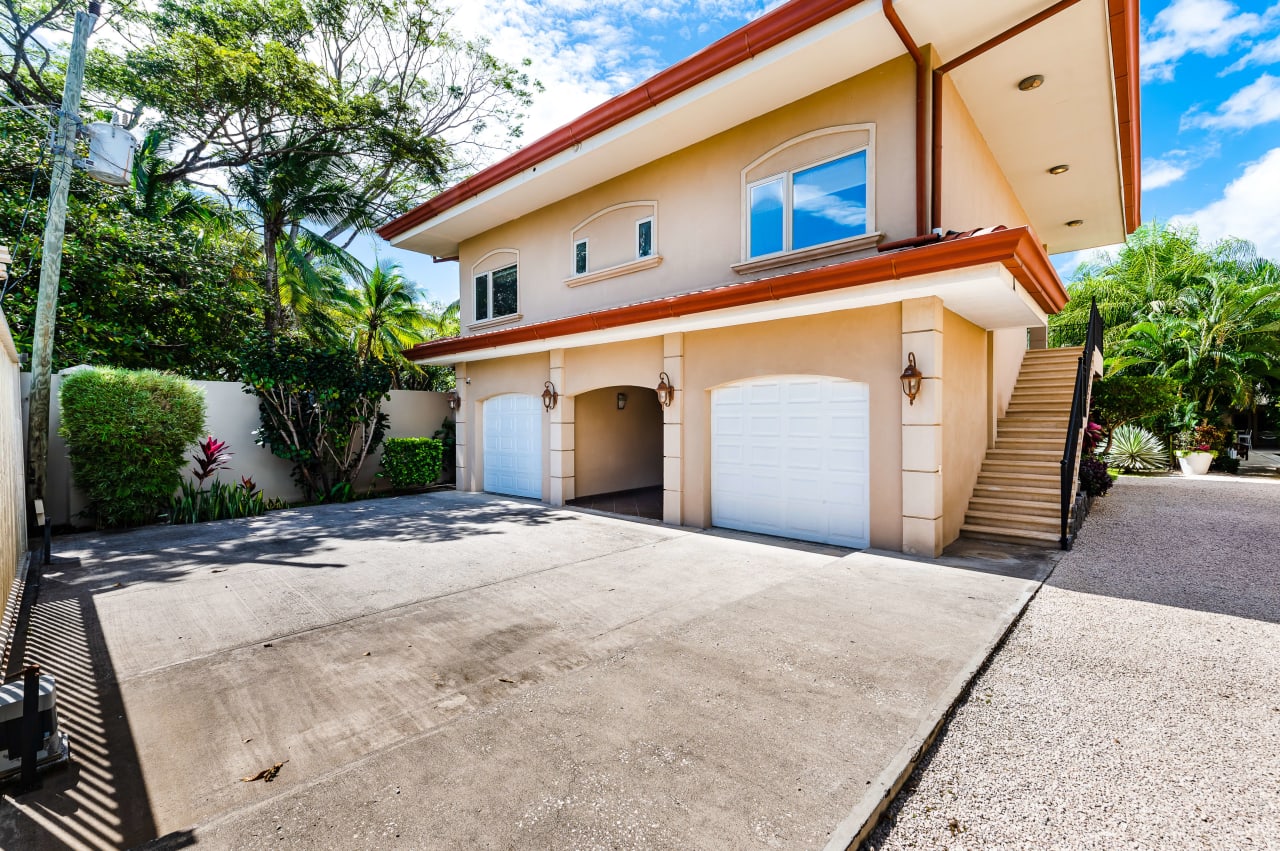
(1137, 702)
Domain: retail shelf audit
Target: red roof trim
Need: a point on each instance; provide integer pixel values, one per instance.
(1017, 249)
(761, 34)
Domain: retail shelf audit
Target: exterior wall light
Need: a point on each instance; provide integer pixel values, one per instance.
(911, 377)
(549, 396)
(1060, 169)
(1027, 84)
(622, 401)
(453, 399)
(666, 392)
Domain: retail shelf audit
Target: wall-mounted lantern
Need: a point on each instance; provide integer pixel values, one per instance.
(911, 377)
(622, 401)
(453, 399)
(666, 393)
(549, 396)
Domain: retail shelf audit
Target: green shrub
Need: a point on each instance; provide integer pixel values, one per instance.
(1120, 399)
(319, 409)
(1095, 479)
(1136, 450)
(412, 461)
(126, 433)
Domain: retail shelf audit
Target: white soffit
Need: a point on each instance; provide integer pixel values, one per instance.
(988, 296)
(1070, 120)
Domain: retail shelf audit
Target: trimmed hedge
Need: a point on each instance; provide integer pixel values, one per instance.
(126, 433)
(411, 462)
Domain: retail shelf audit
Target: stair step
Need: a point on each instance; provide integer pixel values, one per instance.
(1019, 479)
(1004, 520)
(1018, 490)
(1014, 536)
(1036, 432)
(997, 466)
(1033, 443)
(1024, 454)
(1007, 507)
(1061, 350)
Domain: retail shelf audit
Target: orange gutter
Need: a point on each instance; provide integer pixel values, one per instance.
(922, 95)
(1017, 249)
(1123, 19)
(738, 46)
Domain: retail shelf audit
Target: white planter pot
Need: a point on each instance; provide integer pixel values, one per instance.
(1195, 463)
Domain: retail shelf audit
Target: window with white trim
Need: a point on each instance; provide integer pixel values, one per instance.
(497, 293)
(805, 207)
(644, 238)
(580, 257)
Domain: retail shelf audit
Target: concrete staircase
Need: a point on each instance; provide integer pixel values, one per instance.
(1018, 494)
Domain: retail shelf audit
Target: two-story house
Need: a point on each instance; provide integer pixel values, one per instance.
(711, 285)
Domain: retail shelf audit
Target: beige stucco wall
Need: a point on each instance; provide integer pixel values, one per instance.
(975, 192)
(13, 505)
(617, 449)
(1008, 345)
(859, 345)
(965, 417)
(232, 415)
(636, 362)
(698, 192)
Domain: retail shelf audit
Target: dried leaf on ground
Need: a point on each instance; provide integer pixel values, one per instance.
(266, 775)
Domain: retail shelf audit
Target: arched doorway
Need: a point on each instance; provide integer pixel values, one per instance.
(618, 451)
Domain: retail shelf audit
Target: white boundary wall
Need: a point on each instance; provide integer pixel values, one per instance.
(232, 415)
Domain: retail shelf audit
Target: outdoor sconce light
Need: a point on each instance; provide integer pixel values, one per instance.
(622, 401)
(666, 393)
(453, 399)
(911, 377)
(549, 396)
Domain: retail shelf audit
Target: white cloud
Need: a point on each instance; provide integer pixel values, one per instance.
(1249, 208)
(586, 51)
(1209, 27)
(1255, 104)
(1263, 53)
(1158, 173)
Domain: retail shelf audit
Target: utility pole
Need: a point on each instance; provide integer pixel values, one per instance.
(64, 142)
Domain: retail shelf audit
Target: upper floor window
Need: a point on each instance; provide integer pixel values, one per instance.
(806, 207)
(644, 238)
(496, 293)
(580, 257)
(618, 240)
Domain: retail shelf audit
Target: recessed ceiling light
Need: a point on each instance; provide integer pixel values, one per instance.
(1059, 169)
(1035, 81)
(1075, 223)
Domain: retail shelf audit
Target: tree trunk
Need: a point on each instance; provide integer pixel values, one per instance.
(274, 307)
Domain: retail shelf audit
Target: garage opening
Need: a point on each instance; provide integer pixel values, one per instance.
(790, 457)
(513, 445)
(618, 451)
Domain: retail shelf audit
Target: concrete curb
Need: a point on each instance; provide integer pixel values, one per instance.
(853, 830)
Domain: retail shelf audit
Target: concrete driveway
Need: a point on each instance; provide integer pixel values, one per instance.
(459, 670)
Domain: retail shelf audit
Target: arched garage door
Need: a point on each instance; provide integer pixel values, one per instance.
(513, 445)
(789, 457)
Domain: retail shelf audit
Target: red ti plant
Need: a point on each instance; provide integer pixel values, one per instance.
(1092, 436)
(213, 456)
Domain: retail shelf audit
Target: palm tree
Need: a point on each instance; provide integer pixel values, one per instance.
(385, 314)
(285, 190)
(443, 321)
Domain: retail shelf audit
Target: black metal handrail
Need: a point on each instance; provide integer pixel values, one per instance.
(1079, 413)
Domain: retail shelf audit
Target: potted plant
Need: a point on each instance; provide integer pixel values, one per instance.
(1194, 456)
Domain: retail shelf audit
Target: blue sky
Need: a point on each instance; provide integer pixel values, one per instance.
(1210, 96)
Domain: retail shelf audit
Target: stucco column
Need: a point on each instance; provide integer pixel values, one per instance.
(922, 471)
(561, 438)
(465, 421)
(672, 432)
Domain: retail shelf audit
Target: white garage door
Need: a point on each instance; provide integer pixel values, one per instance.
(789, 457)
(513, 445)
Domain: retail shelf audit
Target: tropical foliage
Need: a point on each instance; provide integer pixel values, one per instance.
(126, 433)
(1136, 450)
(320, 409)
(411, 462)
(1199, 325)
(273, 134)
